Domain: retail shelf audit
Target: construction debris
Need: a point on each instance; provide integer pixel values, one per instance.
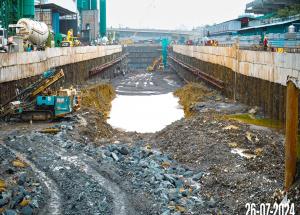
(21, 192)
(50, 130)
(231, 127)
(238, 172)
(19, 163)
(2, 185)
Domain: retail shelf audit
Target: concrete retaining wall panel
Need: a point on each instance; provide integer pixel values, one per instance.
(269, 66)
(268, 95)
(15, 66)
(297, 62)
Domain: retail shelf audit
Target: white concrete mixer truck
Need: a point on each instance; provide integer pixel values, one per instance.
(32, 31)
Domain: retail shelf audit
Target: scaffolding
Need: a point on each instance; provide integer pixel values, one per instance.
(13, 10)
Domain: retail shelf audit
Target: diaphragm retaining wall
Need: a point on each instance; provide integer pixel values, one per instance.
(251, 77)
(18, 70)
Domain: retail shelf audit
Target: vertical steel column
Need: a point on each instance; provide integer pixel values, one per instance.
(291, 134)
(103, 18)
(237, 52)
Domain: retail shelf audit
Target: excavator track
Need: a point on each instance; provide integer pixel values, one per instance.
(36, 115)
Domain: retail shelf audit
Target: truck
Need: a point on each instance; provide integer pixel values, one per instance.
(3, 40)
(37, 102)
(35, 32)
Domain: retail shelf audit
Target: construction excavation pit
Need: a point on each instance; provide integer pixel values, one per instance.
(143, 143)
(174, 109)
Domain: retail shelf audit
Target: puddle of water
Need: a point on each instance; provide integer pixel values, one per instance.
(144, 113)
(241, 152)
(252, 119)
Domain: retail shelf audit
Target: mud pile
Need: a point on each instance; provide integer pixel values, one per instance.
(191, 94)
(241, 163)
(96, 105)
(98, 97)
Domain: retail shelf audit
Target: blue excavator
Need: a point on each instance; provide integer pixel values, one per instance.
(37, 102)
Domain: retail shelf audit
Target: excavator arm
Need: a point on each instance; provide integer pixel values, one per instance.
(48, 82)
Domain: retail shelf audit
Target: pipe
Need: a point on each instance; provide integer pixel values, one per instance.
(101, 68)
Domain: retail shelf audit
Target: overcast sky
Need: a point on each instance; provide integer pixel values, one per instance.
(171, 14)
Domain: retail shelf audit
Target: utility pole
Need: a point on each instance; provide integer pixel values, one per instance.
(291, 132)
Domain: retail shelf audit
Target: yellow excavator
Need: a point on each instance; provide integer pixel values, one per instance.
(156, 65)
(70, 40)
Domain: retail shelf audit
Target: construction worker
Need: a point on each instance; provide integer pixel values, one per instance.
(266, 43)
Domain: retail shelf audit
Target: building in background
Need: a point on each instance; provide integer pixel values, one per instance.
(268, 6)
(278, 22)
(89, 25)
(70, 5)
(89, 20)
(54, 16)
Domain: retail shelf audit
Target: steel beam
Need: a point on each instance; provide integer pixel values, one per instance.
(102, 67)
(291, 134)
(202, 75)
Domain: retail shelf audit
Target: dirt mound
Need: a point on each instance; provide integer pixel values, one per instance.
(98, 97)
(190, 94)
(96, 105)
(231, 178)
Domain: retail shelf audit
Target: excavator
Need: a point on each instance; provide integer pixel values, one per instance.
(156, 65)
(37, 102)
(70, 40)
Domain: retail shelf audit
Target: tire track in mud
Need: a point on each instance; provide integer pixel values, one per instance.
(83, 163)
(117, 195)
(53, 204)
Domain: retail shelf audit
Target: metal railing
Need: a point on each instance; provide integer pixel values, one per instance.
(273, 20)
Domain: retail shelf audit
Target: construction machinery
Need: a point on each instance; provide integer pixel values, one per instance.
(38, 102)
(165, 44)
(58, 38)
(156, 65)
(127, 42)
(70, 40)
(32, 31)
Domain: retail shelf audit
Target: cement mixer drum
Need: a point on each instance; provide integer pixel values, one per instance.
(34, 31)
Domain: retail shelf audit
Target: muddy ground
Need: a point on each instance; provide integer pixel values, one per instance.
(190, 167)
